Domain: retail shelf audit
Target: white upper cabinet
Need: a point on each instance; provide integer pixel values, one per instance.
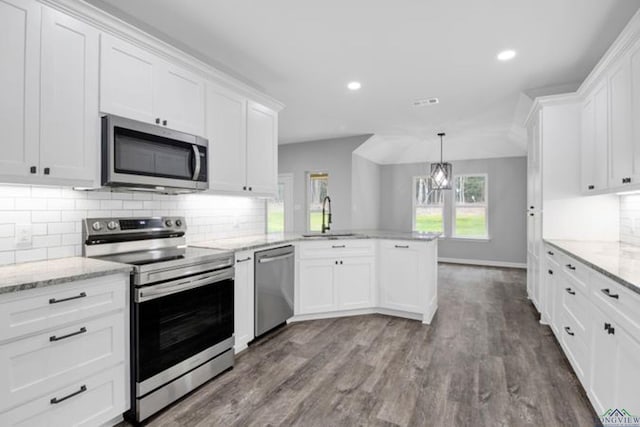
(69, 120)
(139, 85)
(594, 141)
(243, 144)
(262, 149)
(19, 86)
(620, 125)
(227, 134)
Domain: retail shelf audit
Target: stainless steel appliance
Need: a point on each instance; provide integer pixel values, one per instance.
(274, 269)
(137, 155)
(182, 306)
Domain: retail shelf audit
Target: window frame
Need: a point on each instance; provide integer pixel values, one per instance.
(308, 195)
(415, 206)
(454, 206)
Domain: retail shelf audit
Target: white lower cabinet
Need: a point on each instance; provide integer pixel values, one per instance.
(64, 353)
(316, 290)
(353, 279)
(244, 300)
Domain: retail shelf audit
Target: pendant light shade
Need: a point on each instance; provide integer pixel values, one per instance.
(441, 173)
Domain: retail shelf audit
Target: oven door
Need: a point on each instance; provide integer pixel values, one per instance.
(136, 154)
(181, 324)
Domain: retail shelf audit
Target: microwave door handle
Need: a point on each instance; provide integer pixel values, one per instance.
(196, 155)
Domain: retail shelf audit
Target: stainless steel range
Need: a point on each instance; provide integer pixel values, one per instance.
(182, 306)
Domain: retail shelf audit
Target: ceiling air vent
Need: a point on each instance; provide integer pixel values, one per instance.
(425, 102)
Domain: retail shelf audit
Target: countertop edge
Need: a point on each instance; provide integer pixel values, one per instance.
(631, 286)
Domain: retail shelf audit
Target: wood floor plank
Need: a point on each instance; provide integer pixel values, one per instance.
(484, 361)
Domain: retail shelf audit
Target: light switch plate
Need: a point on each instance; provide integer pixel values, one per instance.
(24, 233)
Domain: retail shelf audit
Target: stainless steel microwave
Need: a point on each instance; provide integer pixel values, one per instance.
(142, 156)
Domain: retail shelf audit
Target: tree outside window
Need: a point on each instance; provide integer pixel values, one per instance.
(470, 206)
(428, 208)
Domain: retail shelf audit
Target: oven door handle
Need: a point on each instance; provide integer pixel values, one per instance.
(276, 258)
(158, 291)
(196, 155)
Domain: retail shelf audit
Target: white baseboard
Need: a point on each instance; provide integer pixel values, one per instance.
(424, 318)
(482, 262)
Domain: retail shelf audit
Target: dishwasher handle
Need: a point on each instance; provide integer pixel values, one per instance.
(275, 258)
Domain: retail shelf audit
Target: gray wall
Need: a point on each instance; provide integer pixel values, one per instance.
(365, 193)
(507, 190)
(332, 156)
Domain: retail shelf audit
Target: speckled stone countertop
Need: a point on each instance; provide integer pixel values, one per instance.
(616, 260)
(30, 275)
(263, 240)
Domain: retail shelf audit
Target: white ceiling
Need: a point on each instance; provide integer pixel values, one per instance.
(304, 53)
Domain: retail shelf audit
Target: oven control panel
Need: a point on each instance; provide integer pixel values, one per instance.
(114, 226)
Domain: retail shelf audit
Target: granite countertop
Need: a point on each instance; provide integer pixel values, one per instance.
(19, 277)
(262, 240)
(616, 260)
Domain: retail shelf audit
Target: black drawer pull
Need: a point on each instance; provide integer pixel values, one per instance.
(164, 122)
(244, 259)
(56, 301)
(338, 246)
(72, 334)
(550, 253)
(611, 330)
(570, 291)
(550, 271)
(402, 246)
(591, 187)
(568, 330)
(75, 393)
(608, 293)
(571, 267)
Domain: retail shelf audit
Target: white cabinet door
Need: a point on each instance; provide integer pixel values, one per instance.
(127, 80)
(179, 98)
(635, 105)
(262, 149)
(316, 286)
(620, 122)
(243, 300)
(354, 283)
(628, 371)
(594, 141)
(603, 370)
(69, 119)
(400, 273)
(227, 134)
(19, 86)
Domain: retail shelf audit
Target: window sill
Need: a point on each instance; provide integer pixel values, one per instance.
(469, 239)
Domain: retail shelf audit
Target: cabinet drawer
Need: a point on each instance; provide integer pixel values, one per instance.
(551, 255)
(402, 244)
(577, 272)
(618, 302)
(574, 342)
(576, 304)
(35, 310)
(43, 363)
(89, 402)
(336, 248)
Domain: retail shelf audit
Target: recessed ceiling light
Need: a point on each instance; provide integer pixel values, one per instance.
(506, 55)
(354, 85)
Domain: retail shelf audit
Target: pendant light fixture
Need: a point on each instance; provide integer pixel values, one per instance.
(441, 173)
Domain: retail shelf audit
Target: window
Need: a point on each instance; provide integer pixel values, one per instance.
(470, 211)
(428, 208)
(318, 189)
(275, 212)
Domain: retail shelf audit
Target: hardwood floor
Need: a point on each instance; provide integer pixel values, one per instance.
(485, 361)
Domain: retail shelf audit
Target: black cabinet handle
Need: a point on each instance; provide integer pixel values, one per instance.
(47, 171)
(607, 326)
(626, 180)
(611, 330)
(56, 301)
(75, 393)
(530, 207)
(550, 271)
(336, 262)
(531, 214)
(591, 187)
(570, 291)
(550, 253)
(157, 120)
(164, 123)
(608, 293)
(33, 169)
(402, 246)
(568, 330)
(338, 246)
(570, 267)
(341, 262)
(72, 334)
(250, 189)
(243, 260)
(244, 188)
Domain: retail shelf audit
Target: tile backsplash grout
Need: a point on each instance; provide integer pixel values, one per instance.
(54, 216)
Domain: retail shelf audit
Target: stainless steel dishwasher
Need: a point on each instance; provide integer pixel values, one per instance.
(274, 276)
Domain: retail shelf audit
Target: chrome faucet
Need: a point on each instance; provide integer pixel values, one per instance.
(326, 202)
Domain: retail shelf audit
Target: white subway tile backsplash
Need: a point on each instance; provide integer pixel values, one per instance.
(56, 213)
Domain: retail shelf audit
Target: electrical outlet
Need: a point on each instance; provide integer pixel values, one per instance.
(24, 234)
